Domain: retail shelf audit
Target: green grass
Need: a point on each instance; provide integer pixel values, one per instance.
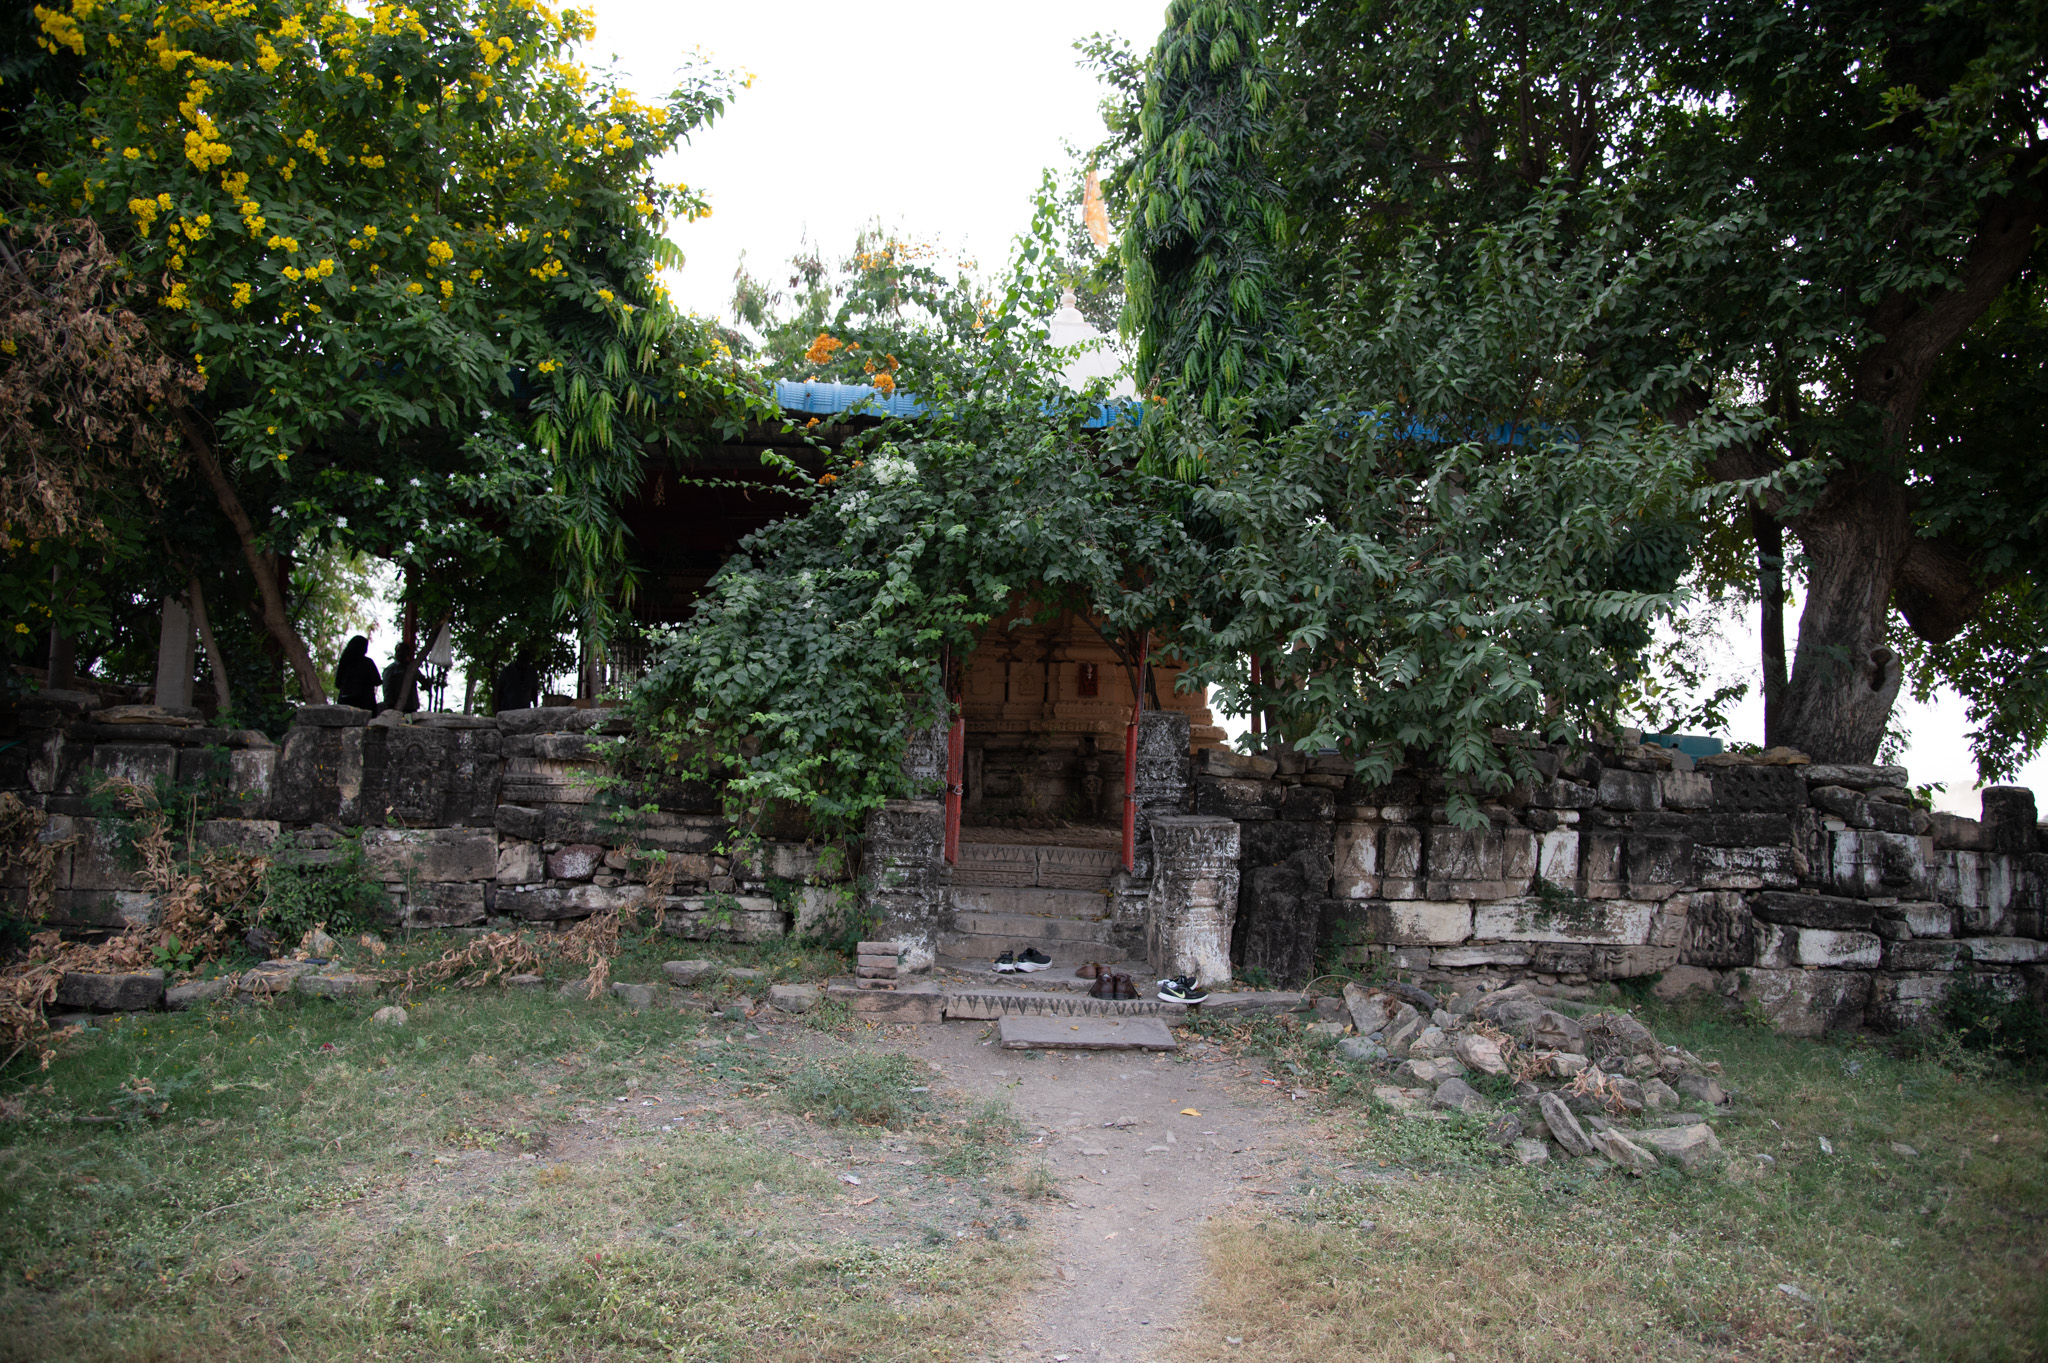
(294, 1180)
(1939, 1255)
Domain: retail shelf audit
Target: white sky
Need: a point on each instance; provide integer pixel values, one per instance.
(937, 119)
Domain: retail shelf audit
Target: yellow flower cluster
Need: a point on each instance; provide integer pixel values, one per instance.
(62, 29)
(439, 253)
(242, 294)
(145, 211)
(447, 288)
(415, 287)
(309, 141)
(252, 216)
(604, 295)
(546, 366)
(176, 297)
(288, 244)
(550, 269)
(266, 56)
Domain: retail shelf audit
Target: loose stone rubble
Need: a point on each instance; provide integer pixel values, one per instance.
(1589, 1083)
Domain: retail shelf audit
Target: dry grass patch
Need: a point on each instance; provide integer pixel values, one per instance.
(1431, 1246)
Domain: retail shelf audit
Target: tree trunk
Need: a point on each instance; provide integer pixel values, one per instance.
(214, 661)
(261, 566)
(1770, 581)
(1844, 675)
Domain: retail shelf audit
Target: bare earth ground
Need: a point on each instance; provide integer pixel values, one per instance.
(1147, 1149)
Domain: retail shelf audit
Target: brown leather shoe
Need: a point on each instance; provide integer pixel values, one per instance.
(1091, 971)
(1104, 986)
(1125, 989)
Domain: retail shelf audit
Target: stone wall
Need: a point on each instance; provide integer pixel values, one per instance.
(1818, 893)
(471, 821)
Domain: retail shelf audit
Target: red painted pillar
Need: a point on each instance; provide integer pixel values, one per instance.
(1131, 757)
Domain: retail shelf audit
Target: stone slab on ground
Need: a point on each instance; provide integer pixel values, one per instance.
(919, 1002)
(1259, 1001)
(1085, 1034)
(986, 1005)
(127, 992)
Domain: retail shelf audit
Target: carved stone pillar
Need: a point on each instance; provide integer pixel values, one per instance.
(903, 881)
(1193, 899)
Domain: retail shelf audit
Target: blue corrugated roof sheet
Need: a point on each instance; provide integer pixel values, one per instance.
(827, 399)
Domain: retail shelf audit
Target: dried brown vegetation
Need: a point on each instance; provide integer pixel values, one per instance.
(86, 398)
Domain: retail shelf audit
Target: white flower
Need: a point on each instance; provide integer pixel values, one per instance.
(415, 482)
(341, 521)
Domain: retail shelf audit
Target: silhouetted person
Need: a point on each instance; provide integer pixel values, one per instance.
(394, 677)
(518, 685)
(356, 678)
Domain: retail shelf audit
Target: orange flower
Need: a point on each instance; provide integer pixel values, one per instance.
(884, 384)
(824, 348)
(827, 479)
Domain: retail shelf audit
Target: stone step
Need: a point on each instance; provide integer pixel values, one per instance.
(1088, 1034)
(1048, 902)
(986, 1005)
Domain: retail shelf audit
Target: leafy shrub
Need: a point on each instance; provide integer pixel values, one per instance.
(872, 1090)
(1981, 1018)
(333, 886)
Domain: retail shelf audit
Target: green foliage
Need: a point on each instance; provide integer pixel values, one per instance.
(862, 1087)
(416, 257)
(1206, 225)
(332, 886)
(1983, 1018)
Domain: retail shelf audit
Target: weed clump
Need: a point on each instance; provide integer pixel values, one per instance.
(869, 1090)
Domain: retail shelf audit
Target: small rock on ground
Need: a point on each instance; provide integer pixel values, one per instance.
(683, 974)
(634, 996)
(179, 997)
(390, 1015)
(792, 998)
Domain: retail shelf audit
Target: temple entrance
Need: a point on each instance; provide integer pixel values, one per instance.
(1041, 829)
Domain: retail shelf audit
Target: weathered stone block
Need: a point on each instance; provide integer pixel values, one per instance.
(1742, 830)
(1562, 958)
(1691, 1148)
(1747, 868)
(1658, 864)
(1851, 807)
(1564, 795)
(1866, 864)
(1929, 919)
(540, 903)
(252, 777)
(1401, 861)
(1751, 788)
(320, 772)
(1279, 917)
(1955, 831)
(1564, 919)
(1807, 1002)
(1309, 804)
(519, 821)
(1827, 947)
(1490, 954)
(1720, 933)
(1812, 911)
(1932, 953)
(1602, 866)
(1520, 856)
(1463, 863)
(442, 904)
(747, 918)
(1902, 1001)
(1355, 861)
(1667, 928)
(1686, 789)
(519, 863)
(129, 992)
(1774, 944)
(329, 717)
(1238, 799)
(249, 837)
(577, 861)
(431, 854)
(2010, 819)
(143, 763)
(1855, 776)
(1557, 857)
(99, 861)
(1630, 790)
(1419, 922)
(339, 984)
(179, 997)
(2005, 950)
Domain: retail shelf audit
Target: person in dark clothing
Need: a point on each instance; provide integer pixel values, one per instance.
(394, 677)
(356, 678)
(518, 685)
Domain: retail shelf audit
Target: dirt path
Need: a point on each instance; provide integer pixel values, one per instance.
(1146, 1148)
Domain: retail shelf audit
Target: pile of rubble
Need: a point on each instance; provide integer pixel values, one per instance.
(1595, 1084)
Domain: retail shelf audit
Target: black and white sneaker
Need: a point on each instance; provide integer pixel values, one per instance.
(1031, 958)
(1006, 964)
(1181, 989)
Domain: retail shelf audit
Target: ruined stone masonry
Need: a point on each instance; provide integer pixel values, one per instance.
(1818, 894)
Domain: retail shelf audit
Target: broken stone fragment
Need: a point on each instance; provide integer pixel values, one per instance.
(339, 984)
(1701, 1087)
(1690, 1148)
(129, 992)
(792, 998)
(1428, 1072)
(1624, 1151)
(179, 997)
(1553, 1031)
(1658, 1095)
(683, 974)
(1481, 1053)
(1431, 1045)
(1528, 1150)
(1371, 1010)
(1459, 1096)
(1358, 1048)
(390, 1015)
(634, 996)
(1564, 1127)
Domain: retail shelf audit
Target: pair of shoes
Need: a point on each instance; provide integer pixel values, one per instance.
(1112, 985)
(1022, 962)
(1091, 971)
(1181, 989)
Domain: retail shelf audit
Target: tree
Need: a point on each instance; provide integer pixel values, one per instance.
(414, 255)
(1858, 187)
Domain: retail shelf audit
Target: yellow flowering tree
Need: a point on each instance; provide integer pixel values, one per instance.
(413, 253)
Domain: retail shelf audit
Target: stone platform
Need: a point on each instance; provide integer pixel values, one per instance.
(1089, 1034)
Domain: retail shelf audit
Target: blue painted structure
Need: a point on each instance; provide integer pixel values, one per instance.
(811, 398)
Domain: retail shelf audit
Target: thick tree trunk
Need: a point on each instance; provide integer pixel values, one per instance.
(1844, 675)
(1770, 581)
(262, 567)
(214, 661)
